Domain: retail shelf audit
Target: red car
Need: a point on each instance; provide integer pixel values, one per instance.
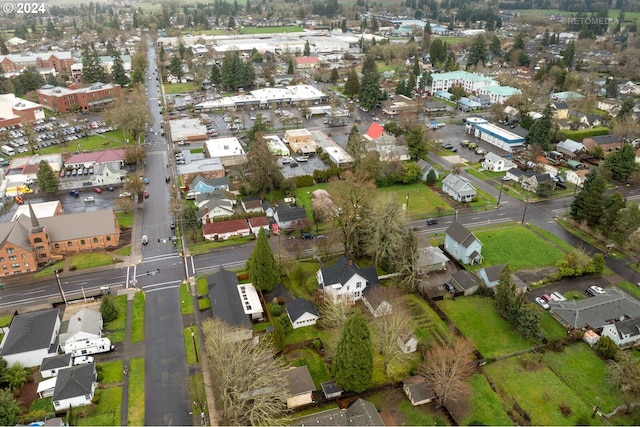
(146, 194)
(97, 190)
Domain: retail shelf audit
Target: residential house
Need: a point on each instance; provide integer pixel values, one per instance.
(435, 106)
(85, 324)
(596, 312)
(466, 281)
(560, 110)
(289, 218)
(75, 387)
(46, 387)
(258, 222)
(518, 175)
(277, 147)
(360, 413)
(331, 389)
(418, 390)
(564, 124)
(307, 62)
(431, 258)
(214, 208)
(462, 244)
(399, 105)
(531, 183)
(268, 209)
(385, 144)
(577, 177)
(625, 334)
(511, 113)
(226, 304)
(31, 338)
(204, 185)
(344, 279)
(251, 204)
(589, 121)
(629, 88)
(459, 188)
(302, 313)
(494, 163)
(408, 343)
(223, 230)
(610, 105)
(608, 143)
(490, 276)
(207, 168)
(425, 168)
(51, 365)
(376, 300)
(571, 148)
(300, 385)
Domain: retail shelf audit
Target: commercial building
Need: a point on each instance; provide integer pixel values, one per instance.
(14, 110)
(495, 135)
(228, 150)
(78, 97)
(470, 82)
(498, 94)
(53, 63)
(274, 96)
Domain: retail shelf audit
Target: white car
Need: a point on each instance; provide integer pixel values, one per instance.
(542, 303)
(82, 360)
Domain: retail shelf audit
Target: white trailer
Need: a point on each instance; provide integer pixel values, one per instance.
(6, 150)
(88, 346)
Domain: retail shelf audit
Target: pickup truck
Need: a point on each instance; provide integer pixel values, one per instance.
(89, 199)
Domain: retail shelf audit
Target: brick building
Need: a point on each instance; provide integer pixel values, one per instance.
(78, 97)
(46, 63)
(14, 110)
(31, 242)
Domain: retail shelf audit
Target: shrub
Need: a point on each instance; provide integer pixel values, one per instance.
(565, 409)
(275, 310)
(108, 309)
(304, 181)
(607, 348)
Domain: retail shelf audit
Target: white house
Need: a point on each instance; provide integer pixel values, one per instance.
(85, 324)
(302, 313)
(459, 188)
(625, 334)
(51, 365)
(75, 387)
(494, 163)
(344, 279)
(31, 338)
(577, 177)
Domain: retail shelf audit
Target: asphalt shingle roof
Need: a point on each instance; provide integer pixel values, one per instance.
(55, 362)
(225, 300)
(342, 270)
(30, 331)
(299, 306)
(74, 381)
(460, 234)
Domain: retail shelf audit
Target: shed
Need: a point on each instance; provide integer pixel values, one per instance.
(330, 389)
(418, 390)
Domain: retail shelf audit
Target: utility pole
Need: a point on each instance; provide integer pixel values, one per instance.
(64, 298)
(526, 203)
(500, 194)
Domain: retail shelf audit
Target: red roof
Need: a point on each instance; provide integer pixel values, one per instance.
(104, 156)
(375, 130)
(221, 227)
(259, 221)
(307, 60)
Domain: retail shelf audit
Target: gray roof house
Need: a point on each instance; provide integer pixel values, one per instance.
(360, 413)
(531, 183)
(597, 311)
(31, 338)
(225, 300)
(51, 365)
(302, 313)
(570, 147)
(215, 208)
(425, 168)
(288, 217)
(75, 387)
(301, 386)
(418, 390)
(518, 175)
(201, 184)
(625, 334)
(465, 280)
(85, 324)
(462, 244)
(459, 188)
(490, 276)
(344, 279)
(431, 258)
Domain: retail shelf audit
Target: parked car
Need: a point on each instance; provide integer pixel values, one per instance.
(294, 164)
(595, 290)
(307, 236)
(557, 296)
(97, 190)
(146, 194)
(432, 221)
(542, 303)
(167, 178)
(89, 199)
(448, 146)
(172, 224)
(302, 158)
(449, 287)
(145, 239)
(82, 360)
(74, 193)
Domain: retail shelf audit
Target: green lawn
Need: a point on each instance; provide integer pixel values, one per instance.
(630, 288)
(91, 260)
(551, 328)
(205, 246)
(186, 300)
(317, 368)
(430, 329)
(49, 271)
(197, 393)
(135, 407)
(112, 371)
(585, 373)
(297, 288)
(125, 219)
(203, 288)
(479, 322)
(123, 251)
(487, 406)
(268, 30)
(176, 88)
(192, 358)
(105, 141)
(454, 40)
(115, 330)
(539, 392)
(423, 201)
(5, 320)
(423, 415)
(137, 320)
(505, 246)
(107, 411)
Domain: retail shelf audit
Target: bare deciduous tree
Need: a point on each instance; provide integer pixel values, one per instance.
(248, 380)
(624, 375)
(334, 314)
(385, 230)
(447, 369)
(328, 244)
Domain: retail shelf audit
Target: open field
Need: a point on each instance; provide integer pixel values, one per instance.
(479, 322)
(423, 201)
(504, 246)
(107, 410)
(135, 407)
(486, 405)
(177, 88)
(91, 260)
(137, 320)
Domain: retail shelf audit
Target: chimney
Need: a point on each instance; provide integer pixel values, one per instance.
(206, 209)
(350, 263)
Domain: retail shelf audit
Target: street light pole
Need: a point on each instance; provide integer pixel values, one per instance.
(500, 194)
(64, 298)
(526, 203)
(195, 349)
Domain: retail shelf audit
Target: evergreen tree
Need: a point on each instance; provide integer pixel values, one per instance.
(353, 361)
(47, 178)
(589, 204)
(438, 51)
(215, 76)
(262, 265)
(108, 309)
(307, 49)
(432, 177)
(369, 91)
(626, 109)
(175, 67)
(401, 87)
(352, 85)
(622, 163)
(335, 76)
(518, 41)
(451, 64)
(290, 67)
(374, 24)
(478, 52)
(10, 409)
(545, 38)
(495, 48)
(118, 75)
(416, 143)
(3, 47)
(411, 85)
(569, 54)
(541, 130)
(612, 87)
(416, 66)
(92, 70)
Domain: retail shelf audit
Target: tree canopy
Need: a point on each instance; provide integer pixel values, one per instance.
(588, 204)
(47, 178)
(353, 361)
(262, 265)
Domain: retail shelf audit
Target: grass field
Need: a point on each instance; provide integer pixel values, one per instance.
(5, 320)
(423, 201)
(186, 301)
(107, 410)
(135, 406)
(317, 368)
(112, 371)
(479, 322)
(268, 30)
(125, 219)
(551, 328)
(429, 328)
(486, 405)
(137, 321)
(177, 88)
(505, 245)
(91, 260)
(582, 370)
(539, 392)
(105, 141)
(189, 341)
